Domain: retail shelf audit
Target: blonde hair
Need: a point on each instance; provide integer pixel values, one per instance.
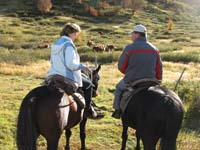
(70, 28)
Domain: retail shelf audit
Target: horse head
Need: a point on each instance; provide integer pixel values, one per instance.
(95, 79)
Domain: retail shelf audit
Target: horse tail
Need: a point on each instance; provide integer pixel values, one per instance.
(26, 130)
(173, 124)
(168, 140)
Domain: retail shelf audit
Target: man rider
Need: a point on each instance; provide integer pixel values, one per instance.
(139, 60)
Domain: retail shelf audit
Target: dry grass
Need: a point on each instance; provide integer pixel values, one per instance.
(35, 69)
(172, 71)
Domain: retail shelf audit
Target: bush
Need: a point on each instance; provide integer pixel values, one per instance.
(166, 47)
(44, 6)
(10, 43)
(181, 40)
(193, 115)
(190, 94)
(23, 57)
(185, 57)
(188, 91)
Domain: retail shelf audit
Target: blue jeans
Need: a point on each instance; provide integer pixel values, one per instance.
(87, 91)
(120, 87)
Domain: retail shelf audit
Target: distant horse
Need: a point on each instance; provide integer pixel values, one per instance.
(47, 112)
(156, 113)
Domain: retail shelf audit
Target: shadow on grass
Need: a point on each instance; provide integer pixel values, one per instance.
(189, 93)
(192, 116)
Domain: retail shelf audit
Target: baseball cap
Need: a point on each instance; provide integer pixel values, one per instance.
(139, 28)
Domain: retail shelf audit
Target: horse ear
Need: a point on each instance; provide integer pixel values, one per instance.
(98, 68)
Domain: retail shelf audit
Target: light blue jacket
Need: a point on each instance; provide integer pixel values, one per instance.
(65, 60)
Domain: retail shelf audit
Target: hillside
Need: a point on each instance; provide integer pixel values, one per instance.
(23, 65)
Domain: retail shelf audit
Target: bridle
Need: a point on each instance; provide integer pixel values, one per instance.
(89, 79)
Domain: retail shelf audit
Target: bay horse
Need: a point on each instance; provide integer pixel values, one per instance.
(155, 113)
(47, 112)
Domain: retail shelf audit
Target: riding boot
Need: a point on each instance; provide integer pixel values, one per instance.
(116, 114)
(92, 114)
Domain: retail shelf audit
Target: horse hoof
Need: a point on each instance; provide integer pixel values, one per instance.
(67, 148)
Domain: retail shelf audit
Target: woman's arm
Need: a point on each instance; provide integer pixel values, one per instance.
(71, 60)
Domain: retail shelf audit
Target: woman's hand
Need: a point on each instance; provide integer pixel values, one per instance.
(86, 70)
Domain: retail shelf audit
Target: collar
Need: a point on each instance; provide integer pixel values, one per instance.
(68, 39)
(141, 39)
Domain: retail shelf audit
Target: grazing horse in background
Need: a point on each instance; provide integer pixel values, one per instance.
(155, 113)
(47, 111)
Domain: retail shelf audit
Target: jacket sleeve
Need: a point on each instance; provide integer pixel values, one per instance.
(159, 69)
(123, 62)
(71, 60)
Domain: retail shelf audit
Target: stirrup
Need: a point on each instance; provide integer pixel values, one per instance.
(116, 114)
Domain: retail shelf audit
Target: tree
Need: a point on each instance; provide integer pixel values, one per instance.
(43, 6)
(133, 4)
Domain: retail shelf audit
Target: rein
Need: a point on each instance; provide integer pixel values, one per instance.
(63, 106)
(90, 79)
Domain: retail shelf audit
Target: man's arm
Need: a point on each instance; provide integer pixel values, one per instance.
(123, 61)
(159, 69)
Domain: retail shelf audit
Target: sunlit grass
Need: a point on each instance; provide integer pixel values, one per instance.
(188, 140)
(36, 69)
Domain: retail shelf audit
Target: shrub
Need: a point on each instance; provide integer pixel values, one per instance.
(134, 4)
(185, 57)
(190, 94)
(10, 42)
(23, 57)
(181, 40)
(188, 91)
(44, 6)
(166, 47)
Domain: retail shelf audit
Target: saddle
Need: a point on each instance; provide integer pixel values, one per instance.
(66, 86)
(133, 88)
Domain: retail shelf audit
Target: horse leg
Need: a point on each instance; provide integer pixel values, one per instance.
(68, 134)
(52, 142)
(82, 133)
(166, 144)
(149, 141)
(124, 136)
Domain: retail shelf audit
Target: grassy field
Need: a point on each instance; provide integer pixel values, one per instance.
(23, 67)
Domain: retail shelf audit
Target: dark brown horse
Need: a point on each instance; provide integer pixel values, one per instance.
(156, 113)
(47, 111)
